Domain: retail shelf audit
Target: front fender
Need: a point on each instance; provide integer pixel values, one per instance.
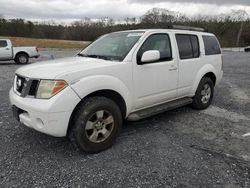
(91, 84)
(204, 70)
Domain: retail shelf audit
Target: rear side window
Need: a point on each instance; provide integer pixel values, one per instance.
(188, 46)
(3, 43)
(195, 46)
(211, 45)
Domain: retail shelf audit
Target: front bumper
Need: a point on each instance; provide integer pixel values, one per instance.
(47, 116)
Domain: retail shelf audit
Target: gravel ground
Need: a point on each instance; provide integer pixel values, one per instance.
(181, 148)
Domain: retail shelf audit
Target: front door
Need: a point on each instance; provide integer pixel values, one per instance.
(155, 82)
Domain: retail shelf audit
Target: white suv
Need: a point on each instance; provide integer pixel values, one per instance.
(122, 75)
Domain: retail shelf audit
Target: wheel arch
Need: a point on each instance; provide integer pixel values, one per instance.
(212, 76)
(206, 71)
(108, 93)
(21, 52)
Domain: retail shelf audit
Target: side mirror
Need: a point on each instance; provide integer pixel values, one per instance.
(150, 56)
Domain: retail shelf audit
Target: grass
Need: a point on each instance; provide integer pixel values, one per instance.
(45, 43)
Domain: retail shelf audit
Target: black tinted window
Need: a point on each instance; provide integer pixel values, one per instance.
(211, 45)
(195, 45)
(160, 42)
(188, 46)
(3, 43)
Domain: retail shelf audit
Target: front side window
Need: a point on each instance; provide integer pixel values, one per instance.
(188, 46)
(114, 46)
(160, 42)
(212, 46)
(3, 43)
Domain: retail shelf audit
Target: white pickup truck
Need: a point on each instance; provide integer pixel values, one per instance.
(20, 55)
(123, 75)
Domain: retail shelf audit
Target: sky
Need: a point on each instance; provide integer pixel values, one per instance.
(69, 10)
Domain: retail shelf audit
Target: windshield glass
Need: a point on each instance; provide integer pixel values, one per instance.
(114, 46)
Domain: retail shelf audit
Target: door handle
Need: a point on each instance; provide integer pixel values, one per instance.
(7, 49)
(173, 69)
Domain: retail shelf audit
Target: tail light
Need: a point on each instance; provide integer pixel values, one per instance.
(37, 49)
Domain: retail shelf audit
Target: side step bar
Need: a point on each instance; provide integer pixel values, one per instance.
(159, 109)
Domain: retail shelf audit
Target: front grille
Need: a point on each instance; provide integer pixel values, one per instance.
(33, 87)
(25, 86)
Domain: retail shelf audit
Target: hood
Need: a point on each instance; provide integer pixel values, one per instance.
(54, 69)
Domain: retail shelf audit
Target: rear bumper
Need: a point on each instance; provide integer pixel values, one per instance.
(37, 56)
(47, 116)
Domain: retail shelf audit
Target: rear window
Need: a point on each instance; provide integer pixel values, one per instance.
(3, 43)
(212, 46)
(188, 46)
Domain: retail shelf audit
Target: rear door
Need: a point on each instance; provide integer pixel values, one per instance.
(5, 50)
(189, 61)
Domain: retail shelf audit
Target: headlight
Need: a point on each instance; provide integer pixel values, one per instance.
(49, 88)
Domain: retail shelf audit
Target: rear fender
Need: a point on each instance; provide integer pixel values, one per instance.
(21, 52)
(204, 70)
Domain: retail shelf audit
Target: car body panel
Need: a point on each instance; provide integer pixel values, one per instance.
(9, 52)
(48, 116)
(31, 51)
(140, 86)
(70, 68)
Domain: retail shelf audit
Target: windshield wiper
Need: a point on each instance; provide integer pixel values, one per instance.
(82, 55)
(95, 56)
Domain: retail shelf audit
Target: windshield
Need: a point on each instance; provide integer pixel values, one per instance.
(114, 46)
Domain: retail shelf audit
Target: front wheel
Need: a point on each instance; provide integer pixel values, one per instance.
(22, 58)
(96, 124)
(204, 94)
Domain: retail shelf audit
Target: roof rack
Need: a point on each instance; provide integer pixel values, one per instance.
(182, 27)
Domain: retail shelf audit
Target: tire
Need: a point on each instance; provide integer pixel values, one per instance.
(247, 49)
(91, 130)
(22, 58)
(204, 94)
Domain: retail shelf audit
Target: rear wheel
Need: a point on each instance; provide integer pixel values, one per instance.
(96, 124)
(204, 94)
(22, 58)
